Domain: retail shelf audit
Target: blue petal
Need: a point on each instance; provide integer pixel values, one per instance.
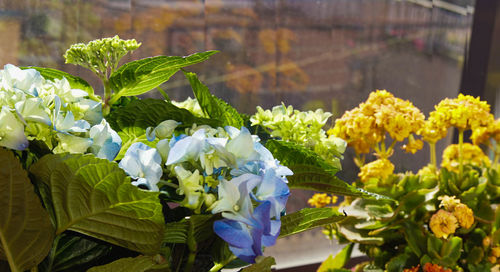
(261, 214)
(234, 233)
(269, 239)
(245, 254)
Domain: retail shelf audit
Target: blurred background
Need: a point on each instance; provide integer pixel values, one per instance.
(311, 54)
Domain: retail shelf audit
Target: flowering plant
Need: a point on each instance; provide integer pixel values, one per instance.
(439, 219)
(128, 184)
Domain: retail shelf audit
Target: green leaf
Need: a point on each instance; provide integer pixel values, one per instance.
(137, 264)
(452, 249)
(263, 264)
(339, 261)
(213, 106)
(397, 263)
(70, 251)
(140, 76)
(434, 246)
(415, 237)
(74, 81)
(347, 228)
(131, 121)
(475, 256)
(26, 232)
(177, 232)
(308, 218)
(311, 172)
(94, 197)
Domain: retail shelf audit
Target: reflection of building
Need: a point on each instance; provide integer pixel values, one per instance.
(10, 31)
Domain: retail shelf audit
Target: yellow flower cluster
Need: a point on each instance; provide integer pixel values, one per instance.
(482, 134)
(321, 200)
(464, 112)
(366, 125)
(471, 154)
(445, 222)
(380, 169)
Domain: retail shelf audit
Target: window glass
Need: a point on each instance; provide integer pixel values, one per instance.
(311, 54)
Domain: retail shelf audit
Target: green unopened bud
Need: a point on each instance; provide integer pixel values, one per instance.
(209, 199)
(166, 128)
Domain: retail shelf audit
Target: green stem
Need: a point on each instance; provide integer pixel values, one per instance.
(460, 151)
(391, 146)
(219, 266)
(164, 94)
(191, 243)
(52, 253)
(433, 154)
(107, 97)
(497, 153)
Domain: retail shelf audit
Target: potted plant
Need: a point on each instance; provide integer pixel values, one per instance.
(120, 183)
(444, 217)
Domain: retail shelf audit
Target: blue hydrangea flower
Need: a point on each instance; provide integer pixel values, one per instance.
(270, 162)
(33, 110)
(246, 239)
(187, 148)
(209, 151)
(241, 145)
(234, 197)
(67, 123)
(273, 189)
(143, 163)
(16, 79)
(11, 131)
(106, 142)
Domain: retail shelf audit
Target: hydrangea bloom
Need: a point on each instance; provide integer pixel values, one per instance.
(305, 128)
(46, 110)
(248, 176)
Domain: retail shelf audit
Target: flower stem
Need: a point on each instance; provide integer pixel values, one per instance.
(433, 154)
(460, 151)
(497, 153)
(107, 97)
(192, 246)
(219, 266)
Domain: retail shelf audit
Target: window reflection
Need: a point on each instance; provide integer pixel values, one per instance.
(321, 53)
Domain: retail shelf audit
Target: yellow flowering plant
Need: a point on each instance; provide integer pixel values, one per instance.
(444, 217)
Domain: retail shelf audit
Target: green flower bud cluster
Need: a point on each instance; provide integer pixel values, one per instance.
(100, 55)
(305, 128)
